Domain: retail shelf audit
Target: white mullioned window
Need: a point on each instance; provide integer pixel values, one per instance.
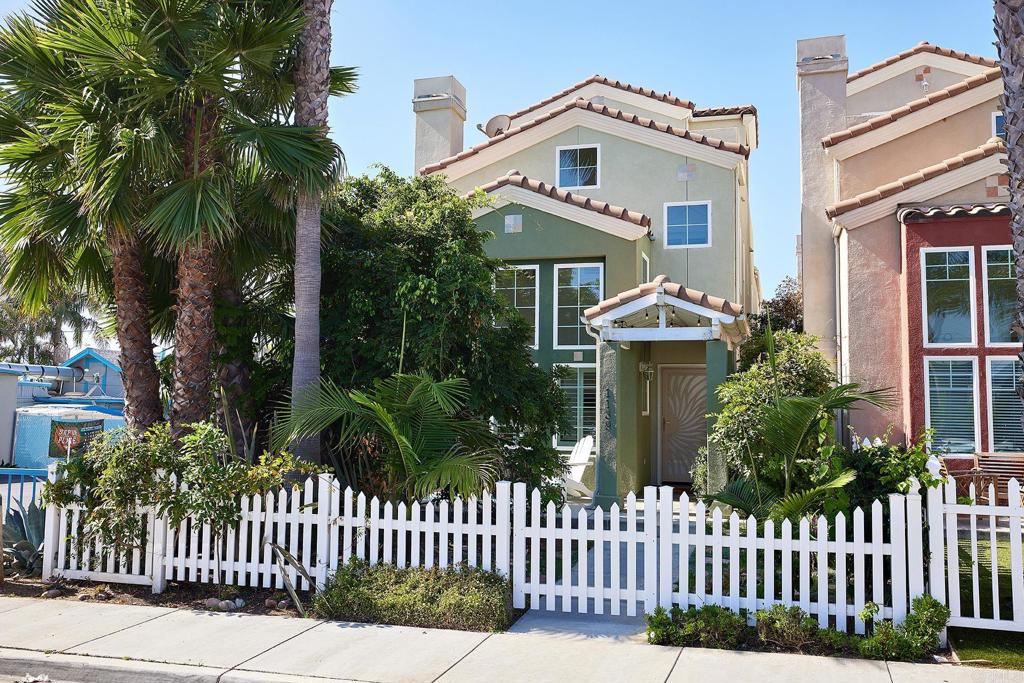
(947, 296)
(578, 286)
(687, 225)
(951, 403)
(520, 287)
(578, 167)
(1000, 294)
(645, 269)
(1005, 433)
(580, 389)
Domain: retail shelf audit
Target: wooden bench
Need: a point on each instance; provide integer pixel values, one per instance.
(995, 469)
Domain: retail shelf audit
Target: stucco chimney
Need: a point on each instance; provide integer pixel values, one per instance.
(821, 70)
(440, 107)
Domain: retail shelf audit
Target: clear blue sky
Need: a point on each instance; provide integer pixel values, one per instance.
(510, 54)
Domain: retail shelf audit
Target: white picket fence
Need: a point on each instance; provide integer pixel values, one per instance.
(656, 550)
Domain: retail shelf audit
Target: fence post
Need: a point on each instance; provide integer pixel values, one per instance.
(650, 548)
(665, 547)
(936, 546)
(1016, 559)
(519, 545)
(324, 528)
(898, 546)
(502, 526)
(51, 533)
(157, 552)
(915, 541)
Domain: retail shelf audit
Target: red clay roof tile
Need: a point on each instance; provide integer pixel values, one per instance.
(923, 46)
(693, 296)
(596, 78)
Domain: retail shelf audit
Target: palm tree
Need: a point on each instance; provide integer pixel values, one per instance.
(312, 86)
(1009, 28)
(408, 430)
(210, 83)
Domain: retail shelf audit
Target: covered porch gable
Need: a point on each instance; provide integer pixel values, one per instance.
(663, 349)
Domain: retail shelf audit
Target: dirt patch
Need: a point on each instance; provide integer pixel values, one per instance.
(179, 595)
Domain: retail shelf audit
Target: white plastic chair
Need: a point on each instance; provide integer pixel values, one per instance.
(578, 460)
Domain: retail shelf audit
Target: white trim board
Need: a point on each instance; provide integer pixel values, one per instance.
(911, 63)
(925, 116)
(511, 194)
(589, 119)
(947, 182)
(592, 91)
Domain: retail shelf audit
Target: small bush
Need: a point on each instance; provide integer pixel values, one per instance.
(910, 641)
(460, 598)
(708, 626)
(787, 628)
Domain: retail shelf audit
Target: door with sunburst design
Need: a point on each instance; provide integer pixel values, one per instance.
(682, 412)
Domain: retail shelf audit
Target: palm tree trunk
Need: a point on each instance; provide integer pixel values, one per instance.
(1009, 28)
(138, 366)
(198, 275)
(233, 367)
(312, 84)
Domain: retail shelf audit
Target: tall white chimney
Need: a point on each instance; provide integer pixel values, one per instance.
(440, 107)
(821, 70)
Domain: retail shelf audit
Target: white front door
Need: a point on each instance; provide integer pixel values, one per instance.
(683, 427)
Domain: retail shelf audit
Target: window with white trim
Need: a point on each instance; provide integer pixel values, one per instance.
(999, 125)
(1000, 296)
(580, 389)
(1004, 406)
(578, 286)
(951, 404)
(579, 166)
(687, 224)
(645, 269)
(518, 285)
(948, 293)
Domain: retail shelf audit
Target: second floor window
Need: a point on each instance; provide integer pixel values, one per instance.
(999, 125)
(687, 224)
(1000, 295)
(579, 166)
(518, 286)
(948, 295)
(577, 288)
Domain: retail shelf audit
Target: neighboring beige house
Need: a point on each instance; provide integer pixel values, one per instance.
(598, 190)
(904, 241)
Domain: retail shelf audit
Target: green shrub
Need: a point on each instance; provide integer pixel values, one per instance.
(460, 598)
(707, 626)
(787, 628)
(910, 641)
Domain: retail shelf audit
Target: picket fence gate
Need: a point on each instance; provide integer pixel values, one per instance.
(657, 550)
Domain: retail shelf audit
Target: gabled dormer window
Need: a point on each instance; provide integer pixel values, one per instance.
(578, 167)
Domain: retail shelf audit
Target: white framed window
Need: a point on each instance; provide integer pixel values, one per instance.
(999, 288)
(1004, 407)
(951, 403)
(687, 225)
(580, 389)
(520, 287)
(947, 297)
(998, 125)
(645, 269)
(578, 286)
(578, 167)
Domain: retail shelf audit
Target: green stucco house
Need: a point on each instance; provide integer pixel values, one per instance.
(623, 217)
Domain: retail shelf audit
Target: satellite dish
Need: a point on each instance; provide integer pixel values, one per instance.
(497, 125)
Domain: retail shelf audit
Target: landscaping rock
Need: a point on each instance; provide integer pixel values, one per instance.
(212, 603)
(284, 604)
(227, 606)
(270, 603)
(50, 594)
(104, 596)
(83, 597)
(239, 603)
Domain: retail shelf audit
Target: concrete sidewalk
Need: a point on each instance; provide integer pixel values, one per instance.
(77, 642)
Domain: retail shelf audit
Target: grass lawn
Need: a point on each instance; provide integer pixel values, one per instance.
(1000, 649)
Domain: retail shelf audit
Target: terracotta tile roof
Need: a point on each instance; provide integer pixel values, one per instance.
(587, 105)
(911, 107)
(990, 148)
(692, 296)
(726, 111)
(923, 46)
(923, 212)
(596, 78)
(517, 179)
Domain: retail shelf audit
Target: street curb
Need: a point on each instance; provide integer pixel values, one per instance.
(86, 669)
